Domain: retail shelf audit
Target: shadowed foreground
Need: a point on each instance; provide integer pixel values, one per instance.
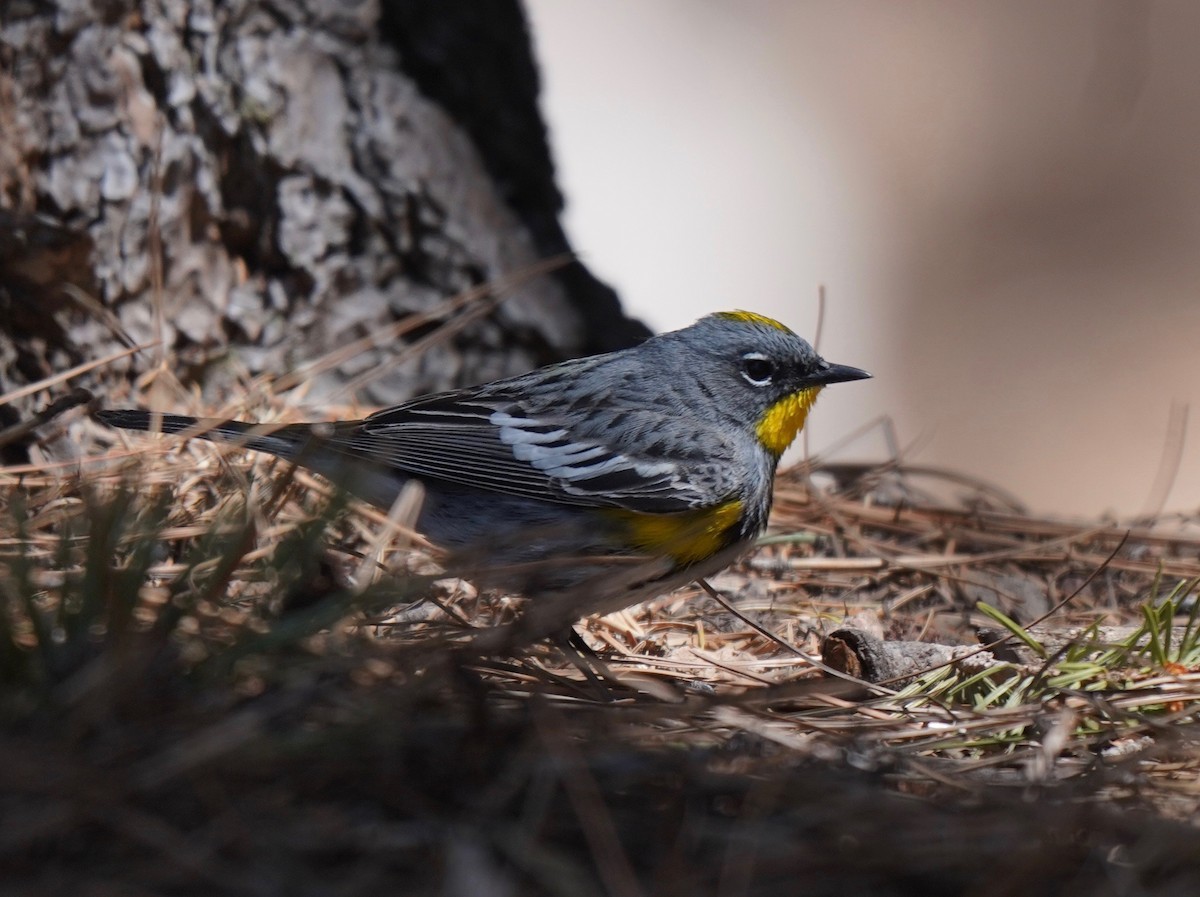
(254, 699)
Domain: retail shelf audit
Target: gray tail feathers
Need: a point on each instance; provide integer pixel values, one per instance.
(286, 442)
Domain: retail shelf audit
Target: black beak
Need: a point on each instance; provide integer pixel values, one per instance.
(837, 373)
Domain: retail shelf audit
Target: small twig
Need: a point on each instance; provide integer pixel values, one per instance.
(78, 371)
(816, 342)
(17, 431)
(1168, 467)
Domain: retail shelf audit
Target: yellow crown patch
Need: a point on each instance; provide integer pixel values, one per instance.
(753, 318)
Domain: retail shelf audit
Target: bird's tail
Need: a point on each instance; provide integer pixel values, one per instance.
(327, 449)
(284, 441)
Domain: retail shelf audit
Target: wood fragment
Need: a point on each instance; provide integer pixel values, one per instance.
(864, 656)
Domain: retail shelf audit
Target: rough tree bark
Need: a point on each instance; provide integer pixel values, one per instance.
(278, 178)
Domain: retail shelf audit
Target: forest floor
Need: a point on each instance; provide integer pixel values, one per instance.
(219, 677)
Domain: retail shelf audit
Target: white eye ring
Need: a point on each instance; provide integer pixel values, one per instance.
(758, 369)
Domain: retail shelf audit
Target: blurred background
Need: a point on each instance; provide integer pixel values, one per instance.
(1001, 200)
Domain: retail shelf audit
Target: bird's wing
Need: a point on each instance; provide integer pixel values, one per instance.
(490, 442)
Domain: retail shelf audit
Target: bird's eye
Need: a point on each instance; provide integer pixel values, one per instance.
(757, 369)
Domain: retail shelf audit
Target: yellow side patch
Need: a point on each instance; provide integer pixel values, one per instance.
(685, 538)
(784, 419)
(753, 318)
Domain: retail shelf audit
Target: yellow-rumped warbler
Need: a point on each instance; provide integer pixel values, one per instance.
(664, 453)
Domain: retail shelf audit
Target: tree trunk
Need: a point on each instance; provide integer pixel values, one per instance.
(255, 184)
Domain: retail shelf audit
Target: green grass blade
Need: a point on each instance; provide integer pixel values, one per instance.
(1012, 626)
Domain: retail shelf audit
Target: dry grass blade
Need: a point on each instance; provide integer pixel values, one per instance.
(68, 375)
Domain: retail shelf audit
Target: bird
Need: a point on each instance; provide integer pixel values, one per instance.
(608, 478)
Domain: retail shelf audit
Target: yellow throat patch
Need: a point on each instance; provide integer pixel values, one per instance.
(778, 427)
(753, 318)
